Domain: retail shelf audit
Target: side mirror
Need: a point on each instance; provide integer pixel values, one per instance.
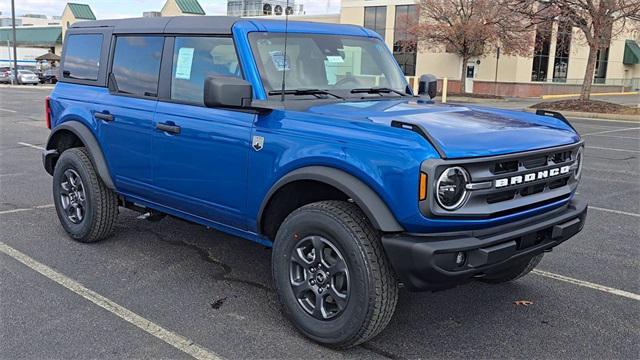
(227, 91)
(428, 85)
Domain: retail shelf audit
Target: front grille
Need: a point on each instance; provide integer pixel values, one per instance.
(527, 188)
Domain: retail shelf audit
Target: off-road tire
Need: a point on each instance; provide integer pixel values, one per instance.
(373, 290)
(513, 273)
(101, 202)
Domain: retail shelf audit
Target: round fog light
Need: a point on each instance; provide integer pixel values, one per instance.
(461, 258)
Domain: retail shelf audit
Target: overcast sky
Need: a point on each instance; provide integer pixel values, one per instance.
(105, 9)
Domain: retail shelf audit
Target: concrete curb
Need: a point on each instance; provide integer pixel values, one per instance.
(39, 87)
(584, 115)
(470, 100)
(563, 96)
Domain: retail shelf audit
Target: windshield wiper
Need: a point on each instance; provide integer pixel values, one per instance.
(302, 92)
(377, 90)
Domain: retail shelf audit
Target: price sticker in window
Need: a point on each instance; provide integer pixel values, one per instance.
(183, 66)
(279, 61)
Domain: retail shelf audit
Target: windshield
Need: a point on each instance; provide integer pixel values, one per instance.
(335, 63)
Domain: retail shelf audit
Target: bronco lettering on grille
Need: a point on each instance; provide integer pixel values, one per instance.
(515, 180)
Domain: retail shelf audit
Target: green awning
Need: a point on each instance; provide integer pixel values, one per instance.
(82, 11)
(631, 53)
(190, 7)
(45, 36)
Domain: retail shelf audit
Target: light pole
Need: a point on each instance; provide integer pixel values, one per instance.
(15, 50)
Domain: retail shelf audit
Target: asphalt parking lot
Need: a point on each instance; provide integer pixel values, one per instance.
(170, 289)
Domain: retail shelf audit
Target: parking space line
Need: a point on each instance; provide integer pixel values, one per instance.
(613, 211)
(179, 342)
(612, 149)
(31, 145)
(8, 110)
(26, 209)
(610, 131)
(587, 284)
(618, 137)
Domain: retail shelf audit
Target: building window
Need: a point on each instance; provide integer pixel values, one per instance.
(375, 18)
(602, 60)
(563, 50)
(541, 53)
(405, 45)
(136, 64)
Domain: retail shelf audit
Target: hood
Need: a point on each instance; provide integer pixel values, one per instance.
(462, 131)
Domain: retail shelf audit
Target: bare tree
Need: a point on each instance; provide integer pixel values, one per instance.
(598, 20)
(473, 28)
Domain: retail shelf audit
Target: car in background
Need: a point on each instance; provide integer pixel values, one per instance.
(5, 74)
(27, 77)
(49, 76)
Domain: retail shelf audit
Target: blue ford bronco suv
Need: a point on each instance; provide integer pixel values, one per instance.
(306, 138)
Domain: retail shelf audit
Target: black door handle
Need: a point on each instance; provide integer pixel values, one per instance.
(104, 117)
(171, 129)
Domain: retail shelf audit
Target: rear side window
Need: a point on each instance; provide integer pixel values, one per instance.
(136, 64)
(82, 57)
(195, 59)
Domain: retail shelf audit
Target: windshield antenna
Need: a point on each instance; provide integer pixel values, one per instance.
(285, 63)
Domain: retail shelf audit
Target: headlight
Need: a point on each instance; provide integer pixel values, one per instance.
(578, 172)
(451, 188)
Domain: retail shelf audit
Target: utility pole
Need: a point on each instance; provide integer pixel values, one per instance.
(15, 50)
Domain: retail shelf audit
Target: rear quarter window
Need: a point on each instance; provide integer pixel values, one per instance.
(82, 57)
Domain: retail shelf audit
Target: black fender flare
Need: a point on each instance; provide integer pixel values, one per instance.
(368, 200)
(91, 144)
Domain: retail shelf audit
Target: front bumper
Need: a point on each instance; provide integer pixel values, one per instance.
(428, 261)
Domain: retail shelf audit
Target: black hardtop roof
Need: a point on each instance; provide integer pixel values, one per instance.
(159, 25)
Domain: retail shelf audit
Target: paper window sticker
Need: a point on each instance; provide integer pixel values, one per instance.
(279, 61)
(183, 66)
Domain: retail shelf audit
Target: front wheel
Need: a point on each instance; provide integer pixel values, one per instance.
(332, 275)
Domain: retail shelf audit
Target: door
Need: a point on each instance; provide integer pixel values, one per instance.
(126, 112)
(471, 73)
(200, 154)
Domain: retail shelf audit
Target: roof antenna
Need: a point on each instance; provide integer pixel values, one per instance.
(284, 58)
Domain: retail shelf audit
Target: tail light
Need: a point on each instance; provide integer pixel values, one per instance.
(47, 111)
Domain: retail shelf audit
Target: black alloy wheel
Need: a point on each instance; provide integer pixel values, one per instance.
(319, 277)
(72, 196)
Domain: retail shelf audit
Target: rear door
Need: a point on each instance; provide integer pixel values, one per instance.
(127, 111)
(200, 154)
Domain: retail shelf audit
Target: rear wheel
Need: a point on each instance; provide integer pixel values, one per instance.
(515, 272)
(87, 209)
(331, 274)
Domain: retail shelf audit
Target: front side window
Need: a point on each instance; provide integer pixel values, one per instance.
(136, 64)
(334, 63)
(195, 59)
(82, 57)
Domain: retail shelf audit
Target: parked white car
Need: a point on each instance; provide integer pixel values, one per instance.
(27, 77)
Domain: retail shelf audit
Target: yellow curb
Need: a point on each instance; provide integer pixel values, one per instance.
(545, 97)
